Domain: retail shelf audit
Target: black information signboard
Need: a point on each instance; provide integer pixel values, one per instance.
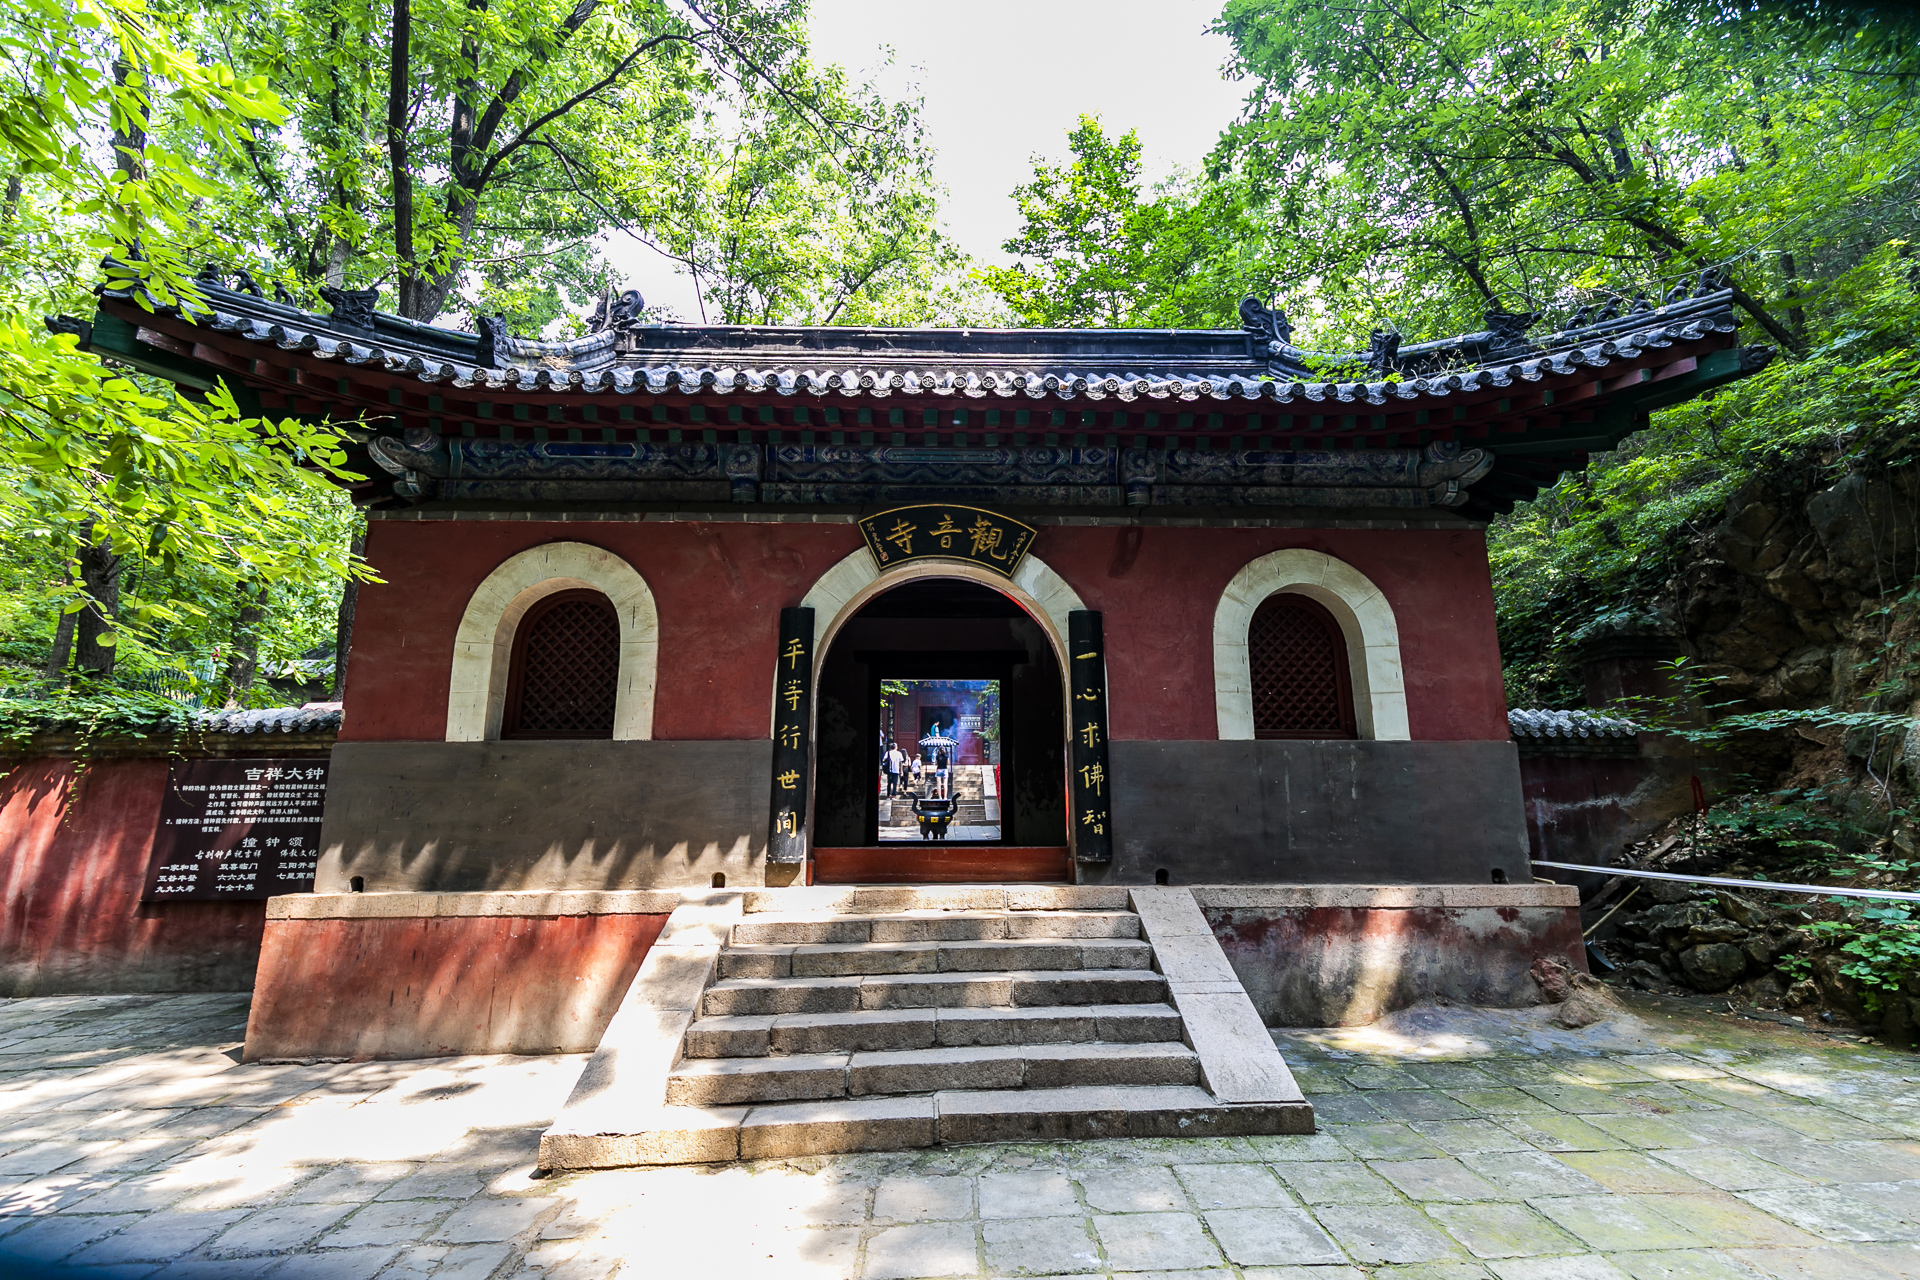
(946, 532)
(792, 732)
(233, 830)
(1090, 783)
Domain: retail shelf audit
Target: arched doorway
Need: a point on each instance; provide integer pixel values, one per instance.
(965, 661)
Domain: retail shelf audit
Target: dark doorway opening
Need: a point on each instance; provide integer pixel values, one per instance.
(967, 657)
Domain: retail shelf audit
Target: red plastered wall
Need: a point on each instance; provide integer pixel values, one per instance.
(1157, 590)
(73, 859)
(719, 589)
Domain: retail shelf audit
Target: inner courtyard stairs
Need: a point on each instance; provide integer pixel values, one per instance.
(775, 1023)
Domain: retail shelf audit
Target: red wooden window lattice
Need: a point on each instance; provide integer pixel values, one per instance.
(566, 669)
(1298, 659)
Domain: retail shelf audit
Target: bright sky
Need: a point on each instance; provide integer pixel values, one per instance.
(1003, 80)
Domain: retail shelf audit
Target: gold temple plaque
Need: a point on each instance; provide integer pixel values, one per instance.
(945, 531)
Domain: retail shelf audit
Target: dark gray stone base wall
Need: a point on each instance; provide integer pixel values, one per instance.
(447, 816)
(1316, 813)
(463, 816)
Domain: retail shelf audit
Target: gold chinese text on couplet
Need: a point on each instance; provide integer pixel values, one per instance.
(946, 532)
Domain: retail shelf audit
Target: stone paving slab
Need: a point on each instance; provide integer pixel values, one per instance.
(1454, 1145)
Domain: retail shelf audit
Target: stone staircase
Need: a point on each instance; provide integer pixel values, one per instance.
(899, 813)
(883, 1018)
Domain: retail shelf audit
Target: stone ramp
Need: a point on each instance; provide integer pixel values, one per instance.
(777, 1023)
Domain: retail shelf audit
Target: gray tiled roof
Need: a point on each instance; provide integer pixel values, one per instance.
(1219, 366)
(319, 717)
(1568, 726)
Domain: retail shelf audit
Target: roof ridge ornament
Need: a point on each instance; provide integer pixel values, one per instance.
(1383, 350)
(490, 342)
(1256, 317)
(1507, 330)
(621, 311)
(352, 308)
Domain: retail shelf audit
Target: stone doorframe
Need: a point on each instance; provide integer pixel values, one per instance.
(1366, 621)
(845, 589)
(483, 647)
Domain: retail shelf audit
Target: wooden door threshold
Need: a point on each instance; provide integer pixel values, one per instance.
(939, 862)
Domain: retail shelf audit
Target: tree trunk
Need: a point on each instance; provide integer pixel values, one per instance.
(243, 655)
(399, 162)
(343, 629)
(129, 131)
(62, 641)
(336, 270)
(1796, 313)
(100, 576)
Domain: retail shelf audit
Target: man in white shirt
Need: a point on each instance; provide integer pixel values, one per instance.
(896, 760)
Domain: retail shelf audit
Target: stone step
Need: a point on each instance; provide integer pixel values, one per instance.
(931, 926)
(1019, 988)
(622, 1131)
(881, 1030)
(993, 955)
(709, 1082)
(883, 899)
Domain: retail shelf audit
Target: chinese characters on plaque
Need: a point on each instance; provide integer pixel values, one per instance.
(946, 533)
(792, 724)
(1090, 787)
(233, 830)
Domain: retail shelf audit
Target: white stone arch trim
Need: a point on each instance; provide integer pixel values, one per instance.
(483, 647)
(843, 590)
(1365, 618)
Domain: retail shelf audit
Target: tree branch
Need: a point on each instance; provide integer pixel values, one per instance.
(545, 118)
(490, 119)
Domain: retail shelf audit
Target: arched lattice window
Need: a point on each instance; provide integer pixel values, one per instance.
(566, 669)
(1298, 659)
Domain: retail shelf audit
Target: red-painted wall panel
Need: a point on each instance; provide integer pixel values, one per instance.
(1158, 618)
(73, 859)
(429, 987)
(719, 589)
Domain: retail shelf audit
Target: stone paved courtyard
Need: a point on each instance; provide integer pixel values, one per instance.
(1455, 1144)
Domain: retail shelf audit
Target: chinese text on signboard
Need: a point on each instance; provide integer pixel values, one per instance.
(792, 730)
(1090, 785)
(945, 532)
(237, 829)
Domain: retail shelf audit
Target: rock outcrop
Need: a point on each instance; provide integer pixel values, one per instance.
(1793, 601)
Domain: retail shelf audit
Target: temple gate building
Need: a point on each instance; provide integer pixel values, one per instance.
(652, 599)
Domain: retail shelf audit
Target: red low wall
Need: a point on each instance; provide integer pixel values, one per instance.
(425, 988)
(1322, 964)
(73, 859)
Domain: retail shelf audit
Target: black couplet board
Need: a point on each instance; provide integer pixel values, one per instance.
(1089, 784)
(234, 830)
(792, 738)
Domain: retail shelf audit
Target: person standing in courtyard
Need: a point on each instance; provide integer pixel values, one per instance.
(896, 758)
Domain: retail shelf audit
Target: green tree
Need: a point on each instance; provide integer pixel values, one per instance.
(780, 225)
(1426, 159)
(1082, 249)
(101, 472)
(1098, 249)
(480, 161)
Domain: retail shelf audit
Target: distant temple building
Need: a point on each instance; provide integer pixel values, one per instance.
(639, 589)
